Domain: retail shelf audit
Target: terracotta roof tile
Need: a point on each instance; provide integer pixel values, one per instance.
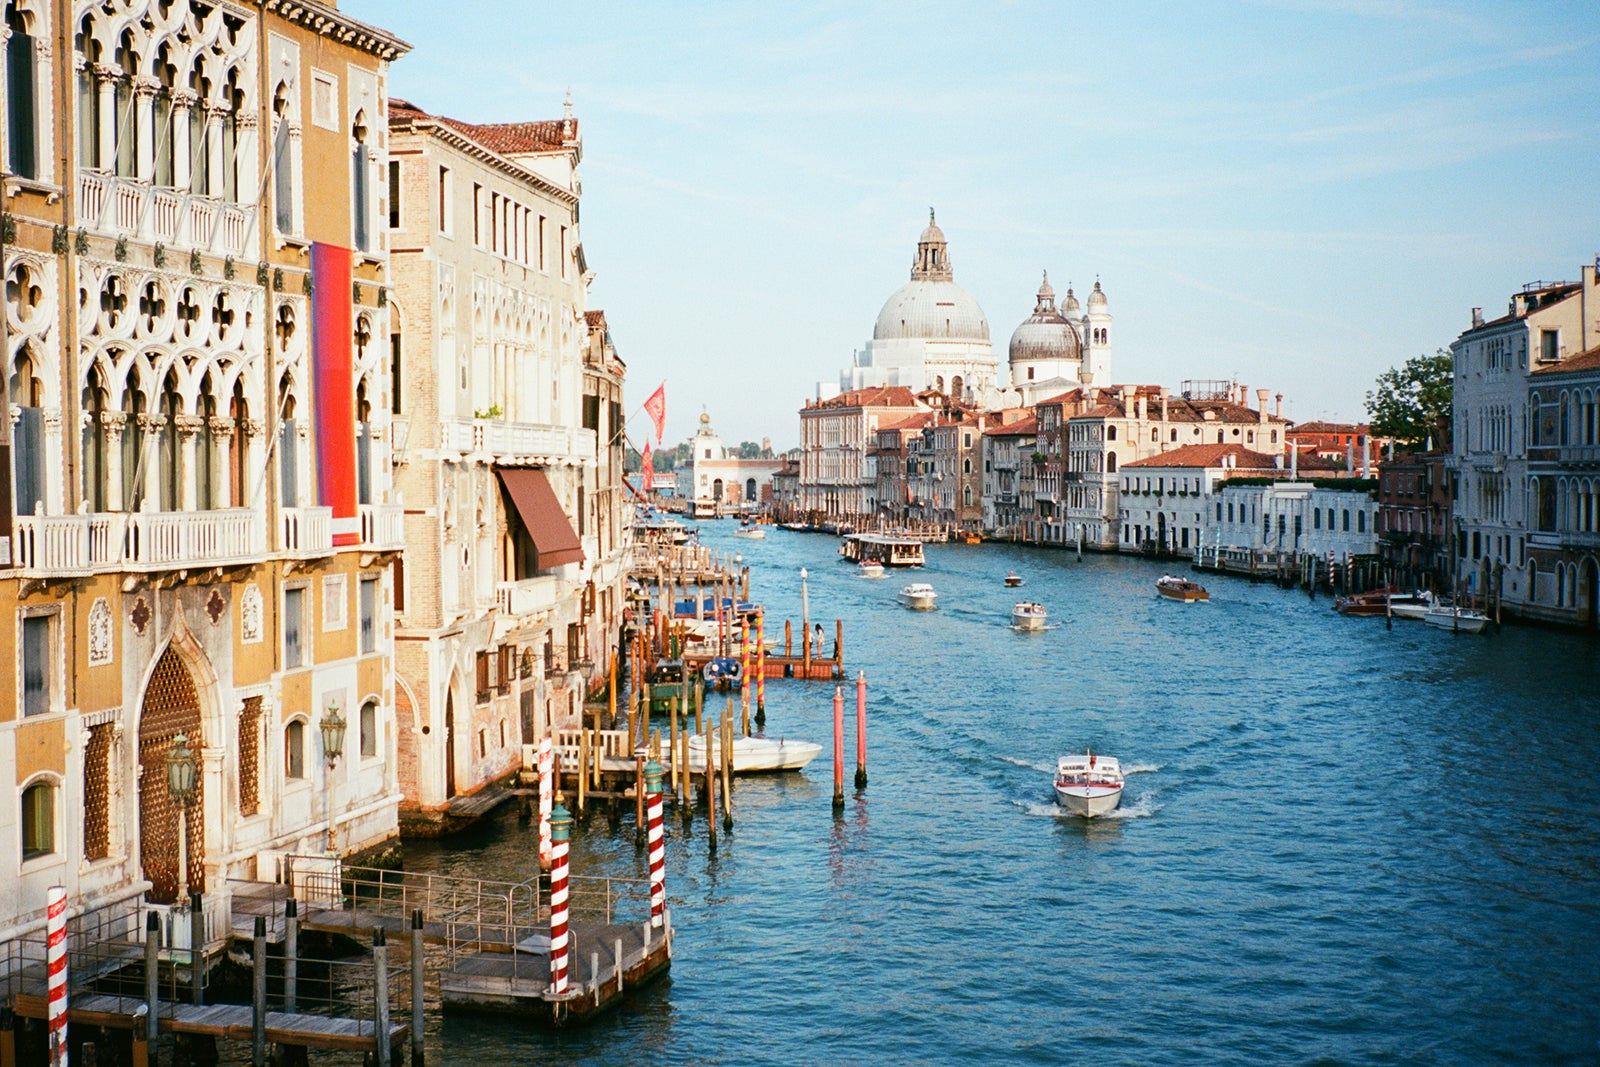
(1583, 361)
(1021, 428)
(1209, 456)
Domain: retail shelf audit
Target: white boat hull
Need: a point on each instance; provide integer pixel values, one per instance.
(1088, 800)
(1023, 621)
(1467, 622)
(917, 603)
(756, 755)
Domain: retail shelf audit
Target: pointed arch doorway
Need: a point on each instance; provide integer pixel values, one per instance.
(171, 706)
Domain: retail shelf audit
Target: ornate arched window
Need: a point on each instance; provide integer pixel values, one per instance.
(22, 134)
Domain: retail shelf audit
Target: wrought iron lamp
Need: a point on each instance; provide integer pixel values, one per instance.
(181, 782)
(333, 727)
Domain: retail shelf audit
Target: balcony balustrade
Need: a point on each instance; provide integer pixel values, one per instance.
(502, 440)
(129, 207)
(53, 544)
(305, 532)
(383, 526)
(528, 596)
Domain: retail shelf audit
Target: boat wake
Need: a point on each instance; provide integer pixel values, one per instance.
(1142, 808)
(1141, 768)
(1032, 765)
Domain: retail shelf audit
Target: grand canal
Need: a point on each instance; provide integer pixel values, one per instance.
(1343, 844)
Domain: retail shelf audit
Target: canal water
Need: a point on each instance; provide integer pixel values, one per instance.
(1339, 843)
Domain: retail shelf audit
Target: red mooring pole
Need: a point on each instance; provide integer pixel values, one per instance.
(861, 730)
(838, 749)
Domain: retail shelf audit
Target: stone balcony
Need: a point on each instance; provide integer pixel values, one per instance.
(305, 533)
(383, 526)
(506, 442)
(141, 541)
(530, 596)
(130, 207)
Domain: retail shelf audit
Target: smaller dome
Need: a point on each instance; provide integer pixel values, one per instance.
(1046, 334)
(1069, 304)
(932, 233)
(1097, 299)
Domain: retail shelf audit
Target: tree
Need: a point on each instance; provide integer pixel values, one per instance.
(1412, 402)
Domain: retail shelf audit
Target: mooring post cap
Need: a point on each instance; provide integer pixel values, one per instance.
(560, 823)
(652, 776)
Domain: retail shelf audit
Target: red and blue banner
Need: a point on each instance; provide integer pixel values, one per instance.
(334, 386)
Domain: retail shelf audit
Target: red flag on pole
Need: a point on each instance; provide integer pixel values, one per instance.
(647, 470)
(656, 408)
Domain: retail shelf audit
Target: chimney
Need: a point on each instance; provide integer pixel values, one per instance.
(1163, 403)
(1278, 406)
(1261, 405)
(1366, 455)
(1477, 317)
(1349, 459)
(1244, 395)
(1294, 464)
(1140, 406)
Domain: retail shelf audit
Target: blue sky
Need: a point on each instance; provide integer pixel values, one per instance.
(1296, 193)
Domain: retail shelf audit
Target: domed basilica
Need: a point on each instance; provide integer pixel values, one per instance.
(932, 334)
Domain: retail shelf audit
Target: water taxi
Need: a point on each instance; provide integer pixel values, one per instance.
(1088, 785)
(1029, 615)
(1181, 589)
(753, 532)
(871, 568)
(889, 551)
(919, 596)
(1013, 579)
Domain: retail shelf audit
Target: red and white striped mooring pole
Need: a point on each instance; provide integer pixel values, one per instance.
(56, 966)
(560, 831)
(656, 846)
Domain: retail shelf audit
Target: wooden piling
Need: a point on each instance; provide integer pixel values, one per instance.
(788, 637)
(197, 946)
(152, 977)
(582, 768)
(291, 953)
(838, 750)
(380, 969)
(838, 648)
(258, 1000)
(638, 798)
(861, 730)
(711, 795)
(725, 755)
(418, 1018)
(677, 767)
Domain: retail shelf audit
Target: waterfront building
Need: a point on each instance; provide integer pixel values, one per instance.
(512, 400)
(723, 481)
(196, 283)
(1009, 452)
(897, 466)
(786, 490)
(1106, 429)
(838, 475)
(605, 499)
(1276, 519)
(1414, 518)
(1546, 323)
(1563, 566)
(930, 334)
(1058, 349)
(1162, 500)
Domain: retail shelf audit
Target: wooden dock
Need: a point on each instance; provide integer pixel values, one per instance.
(232, 1021)
(607, 961)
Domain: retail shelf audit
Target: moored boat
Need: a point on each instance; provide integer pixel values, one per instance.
(1029, 615)
(918, 596)
(1181, 589)
(1088, 785)
(755, 755)
(1372, 602)
(1411, 605)
(722, 672)
(1456, 619)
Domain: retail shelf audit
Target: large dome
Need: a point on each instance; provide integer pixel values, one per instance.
(1046, 334)
(927, 308)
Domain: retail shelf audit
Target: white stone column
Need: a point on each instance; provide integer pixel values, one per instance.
(182, 149)
(221, 451)
(151, 425)
(188, 427)
(114, 422)
(105, 77)
(214, 118)
(144, 110)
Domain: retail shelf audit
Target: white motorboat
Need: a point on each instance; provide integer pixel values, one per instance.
(919, 596)
(752, 531)
(871, 568)
(1411, 605)
(1456, 619)
(1088, 785)
(755, 755)
(1029, 615)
